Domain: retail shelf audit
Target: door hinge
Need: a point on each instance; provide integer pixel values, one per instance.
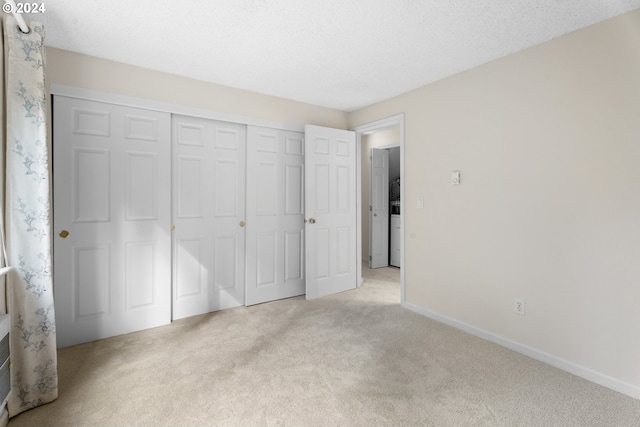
(370, 258)
(370, 208)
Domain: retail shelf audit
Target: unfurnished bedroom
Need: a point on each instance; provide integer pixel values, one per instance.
(361, 213)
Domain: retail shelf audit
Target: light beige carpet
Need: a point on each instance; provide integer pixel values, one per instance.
(353, 359)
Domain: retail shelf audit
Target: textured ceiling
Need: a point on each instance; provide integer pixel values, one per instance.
(343, 54)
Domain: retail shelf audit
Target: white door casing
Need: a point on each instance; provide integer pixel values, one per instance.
(330, 210)
(379, 209)
(208, 215)
(112, 263)
(275, 214)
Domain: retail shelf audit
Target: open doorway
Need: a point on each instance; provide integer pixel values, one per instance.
(381, 185)
(386, 136)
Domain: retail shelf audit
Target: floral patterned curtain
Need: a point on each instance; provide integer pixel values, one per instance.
(27, 208)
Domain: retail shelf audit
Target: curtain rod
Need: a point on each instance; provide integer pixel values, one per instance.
(17, 15)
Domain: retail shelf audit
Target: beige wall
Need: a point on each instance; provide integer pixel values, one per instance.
(382, 138)
(548, 144)
(87, 72)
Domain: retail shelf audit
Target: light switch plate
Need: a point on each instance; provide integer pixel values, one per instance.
(455, 177)
(420, 203)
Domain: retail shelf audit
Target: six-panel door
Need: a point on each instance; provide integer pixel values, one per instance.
(112, 201)
(275, 214)
(208, 215)
(330, 209)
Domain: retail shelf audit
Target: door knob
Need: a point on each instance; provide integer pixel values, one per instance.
(63, 234)
(312, 221)
(242, 224)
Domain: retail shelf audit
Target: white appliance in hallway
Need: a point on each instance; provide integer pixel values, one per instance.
(395, 250)
(395, 224)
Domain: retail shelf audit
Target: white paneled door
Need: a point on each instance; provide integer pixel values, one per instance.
(208, 215)
(275, 214)
(379, 209)
(112, 264)
(330, 210)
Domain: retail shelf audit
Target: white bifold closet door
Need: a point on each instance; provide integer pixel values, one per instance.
(275, 214)
(112, 206)
(208, 215)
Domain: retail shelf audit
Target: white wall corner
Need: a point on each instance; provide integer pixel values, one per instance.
(580, 371)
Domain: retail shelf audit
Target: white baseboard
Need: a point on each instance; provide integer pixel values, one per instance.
(580, 371)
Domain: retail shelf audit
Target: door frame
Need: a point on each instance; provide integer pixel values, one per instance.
(371, 127)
